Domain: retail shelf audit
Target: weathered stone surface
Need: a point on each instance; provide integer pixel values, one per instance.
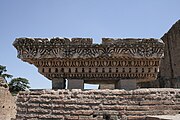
(97, 104)
(170, 67)
(164, 117)
(7, 104)
(66, 48)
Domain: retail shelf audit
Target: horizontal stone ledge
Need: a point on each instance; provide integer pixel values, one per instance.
(146, 91)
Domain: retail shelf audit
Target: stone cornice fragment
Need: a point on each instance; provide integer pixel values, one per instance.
(38, 48)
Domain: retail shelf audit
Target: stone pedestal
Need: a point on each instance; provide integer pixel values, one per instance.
(58, 83)
(106, 86)
(127, 84)
(118, 85)
(75, 84)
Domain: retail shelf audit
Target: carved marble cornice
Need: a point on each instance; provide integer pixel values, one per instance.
(79, 58)
(38, 48)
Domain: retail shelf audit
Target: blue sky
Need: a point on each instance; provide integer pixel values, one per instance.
(78, 18)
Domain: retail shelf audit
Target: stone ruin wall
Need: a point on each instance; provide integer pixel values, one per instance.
(170, 67)
(96, 104)
(7, 104)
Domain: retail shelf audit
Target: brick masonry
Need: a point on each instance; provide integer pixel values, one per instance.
(105, 104)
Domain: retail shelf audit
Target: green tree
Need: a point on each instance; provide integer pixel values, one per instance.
(18, 84)
(3, 73)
